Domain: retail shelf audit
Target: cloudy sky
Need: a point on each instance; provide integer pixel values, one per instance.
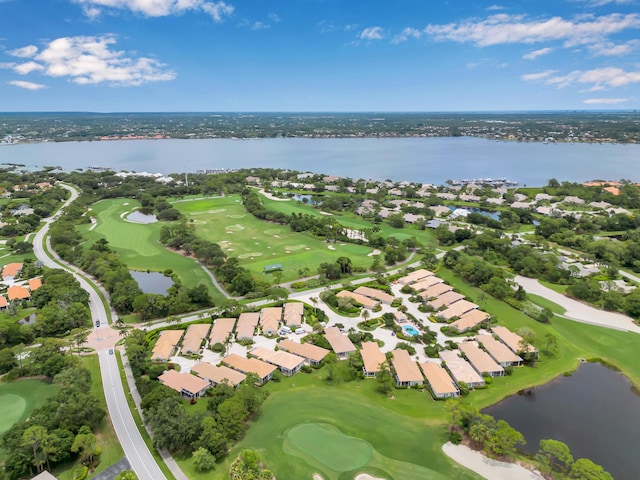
(319, 55)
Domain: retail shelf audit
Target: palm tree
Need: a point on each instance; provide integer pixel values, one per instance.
(365, 314)
(314, 300)
(479, 432)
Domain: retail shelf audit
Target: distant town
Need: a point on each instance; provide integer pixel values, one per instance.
(552, 127)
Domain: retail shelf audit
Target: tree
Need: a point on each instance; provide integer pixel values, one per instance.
(365, 314)
(479, 433)
(551, 345)
(585, 469)
(127, 475)
(212, 438)
(555, 455)
(203, 461)
(345, 265)
(385, 380)
(86, 445)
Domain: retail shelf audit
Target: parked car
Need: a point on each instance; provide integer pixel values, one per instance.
(111, 351)
(97, 323)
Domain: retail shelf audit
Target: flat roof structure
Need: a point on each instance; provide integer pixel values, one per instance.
(184, 383)
(262, 369)
(414, 276)
(407, 371)
(470, 320)
(457, 309)
(366, 302)
(439, 380)
(499, 351)
(293, 312)
(270, 319)
(218, 374)
(436, 290)
(247, 324)
(11, 270)
(312, 353)
(480, 360)
(287, 362)
(17, 292)
(511, 340)
(166, 344)
(196, 333)
(426, 283)
(376, 294)
(372, 357)
(446, 299)
(340, 343)
(222, 328)
(460, 369)
(35, 283)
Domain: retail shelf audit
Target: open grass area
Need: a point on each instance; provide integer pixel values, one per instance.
(544, 303)
(340, 430)
(18, 399)
(258, 243)
(138, 244)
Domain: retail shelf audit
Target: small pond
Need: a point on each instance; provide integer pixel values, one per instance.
(140, 217)
(594, 411)
(152, 282)
(308, 199)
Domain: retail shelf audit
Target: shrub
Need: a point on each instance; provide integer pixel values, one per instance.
(80, 472)
(455, 437)
(217, 347)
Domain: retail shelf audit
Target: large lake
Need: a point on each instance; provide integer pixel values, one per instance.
(430, 160)
(594, 411)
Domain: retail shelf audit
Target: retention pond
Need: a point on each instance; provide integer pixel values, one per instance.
(152, 282)
(594, 411)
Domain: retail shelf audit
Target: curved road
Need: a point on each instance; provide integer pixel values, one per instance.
(139, 456)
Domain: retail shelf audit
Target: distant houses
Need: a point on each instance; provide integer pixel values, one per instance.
(262, 370)
(340, 344)
(185, 384)
(288, 363)
(218, 374)
(311, 353)
(166, 345)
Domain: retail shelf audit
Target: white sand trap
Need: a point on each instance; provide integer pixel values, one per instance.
(217, 210)
(122, 215)
(94, 223)
(276, 236)
(229, 232)
(256, 243)
(272, 231)
(235, 228)
(307, 248)
(293, 248)
(326, 213)
(487, 467)
(229, 249)
(224, 241)
(331, 247)
(374, 253)
(366, 476)
(125, 203)
(250, 255)
(236, 216)
(317, 476)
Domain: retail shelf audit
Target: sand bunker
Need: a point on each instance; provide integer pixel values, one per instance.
(366, 476)
(235, 228)
(293, 248)
(236, 216)
(374, 253)
(276, 236)
(326, 213)
(317, 476)
(272, 231)
(331, 247)
(125, 203)
(250, 255)
(217, 210)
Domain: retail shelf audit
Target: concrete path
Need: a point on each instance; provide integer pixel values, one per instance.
(487, 467)
(578, 311)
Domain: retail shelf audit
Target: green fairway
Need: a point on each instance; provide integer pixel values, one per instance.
(138, 244)
(258, 243)
(12, 407)
(18, 399)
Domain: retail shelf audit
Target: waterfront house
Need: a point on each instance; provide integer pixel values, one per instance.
(499, 351)
(460, 369)
(513, 341)
(480, 360)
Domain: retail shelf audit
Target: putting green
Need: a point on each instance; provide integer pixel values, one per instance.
(12, 407)
(249, 255)
(326, 444)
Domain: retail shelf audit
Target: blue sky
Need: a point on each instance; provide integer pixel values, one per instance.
(318, 55)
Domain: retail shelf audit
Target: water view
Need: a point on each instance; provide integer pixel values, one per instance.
(432, 160)
(152, 282)
(139, 217)
(594, 411)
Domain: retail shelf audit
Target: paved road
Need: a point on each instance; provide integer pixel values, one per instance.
(139, 456)
(578, 311)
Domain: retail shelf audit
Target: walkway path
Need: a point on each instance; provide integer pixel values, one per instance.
(487, 467)
(578, 311)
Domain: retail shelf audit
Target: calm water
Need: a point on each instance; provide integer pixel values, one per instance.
(594, 411)
(152, 282)
(140, 217)
(431, 160)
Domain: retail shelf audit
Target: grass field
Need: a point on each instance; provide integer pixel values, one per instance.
(138, 245)
(258, 243)
(18, 399)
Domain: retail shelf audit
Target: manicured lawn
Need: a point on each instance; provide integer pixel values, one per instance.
(18, 399)
(556, 288)
(138, 244)
(258, 243)
(544, 303)
(340, 430)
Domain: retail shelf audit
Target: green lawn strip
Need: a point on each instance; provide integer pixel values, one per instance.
(544, 303)
(21, 398)
(405, 433)
(107, 439)
(7, 257)
(138, 244)
(556, 288)
(140, 424)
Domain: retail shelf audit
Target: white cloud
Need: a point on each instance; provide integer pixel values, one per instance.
(274, 17)
(26, 85)
(610, 49)
(532, 77)
(599, 78)
(494, 8)
(260, 26)
(24, 52)
(600, 3)
(406, 34)
(537, 53)
(158, 8)
(90, 60)
(372, 33)
(507, 29)
(604, 101)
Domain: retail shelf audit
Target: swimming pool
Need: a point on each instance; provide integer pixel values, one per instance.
(410, 330)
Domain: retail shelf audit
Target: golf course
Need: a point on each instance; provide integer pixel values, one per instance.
(18, 399)
(259, 243)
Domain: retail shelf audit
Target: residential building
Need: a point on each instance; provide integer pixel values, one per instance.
(407, 371)
(11, 271)
(480, 360)
(425, 283)
(35, 283)
(376, 294)
(218, 374)
(3, 302)
(436, 290)
(470, 320)
(499, 351)
(185, 384)
(513, 340)
(460, 369)
(246, 326)
(440, 382)
(340, 344)
(192, 342)
(457, 309)
(415, 276)
(288, 363)
(446, 299)
(166, 345)
(366, 302)
(311, 353)
(293, 312)
(17, 292)
(221, 330)
(263, 370)
(270, 320)
(372, 358)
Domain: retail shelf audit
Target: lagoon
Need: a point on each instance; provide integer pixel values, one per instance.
(152, 282)
(429, 160)
(594, 411)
